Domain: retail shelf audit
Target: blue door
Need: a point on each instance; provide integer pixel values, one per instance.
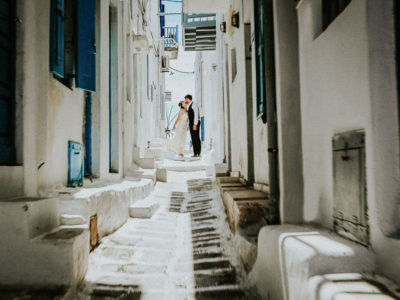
(7, 81)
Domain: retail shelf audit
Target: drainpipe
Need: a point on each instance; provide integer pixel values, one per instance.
(271, 112)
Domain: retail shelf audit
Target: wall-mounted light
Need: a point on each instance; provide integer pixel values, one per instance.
(235, 19)
(222, 27)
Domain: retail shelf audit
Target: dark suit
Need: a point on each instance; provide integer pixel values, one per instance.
(195, 134)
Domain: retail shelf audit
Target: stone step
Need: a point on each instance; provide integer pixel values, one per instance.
(227, 179)
(26, 218)
(108, 292)
(143, 209)
(144, 174)
(218, 277)
(56, 258)
(109, 201)
(213, 264)
(72, 220)
(246, 210)
(224, 292)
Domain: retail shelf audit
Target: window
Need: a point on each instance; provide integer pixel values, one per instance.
(260, 58)
(233, 64)
(72, 42)
(7, 82)
(331, 9)
(162, 19)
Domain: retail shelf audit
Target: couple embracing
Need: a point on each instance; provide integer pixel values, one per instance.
(189, 115)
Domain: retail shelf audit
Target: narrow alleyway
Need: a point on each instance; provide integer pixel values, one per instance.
(183, 252)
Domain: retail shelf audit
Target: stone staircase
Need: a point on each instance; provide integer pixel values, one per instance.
(182, 250)
(247, 212)
(47, 239)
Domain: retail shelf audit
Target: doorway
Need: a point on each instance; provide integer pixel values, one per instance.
(7, 82)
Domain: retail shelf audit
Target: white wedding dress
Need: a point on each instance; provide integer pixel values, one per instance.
(177, 143)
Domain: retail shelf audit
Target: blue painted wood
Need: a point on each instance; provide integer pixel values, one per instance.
(7, 81)
(86, 45)
(88, 135)
(109, 92)
(57, 34)
(75, 164)
(162, 19)
(260, 59)
(202, 129)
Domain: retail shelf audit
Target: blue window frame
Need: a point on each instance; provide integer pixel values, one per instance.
(75, 21)
(162, 19)
(57, 37)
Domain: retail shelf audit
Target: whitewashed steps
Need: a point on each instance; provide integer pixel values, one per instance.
(143, 209)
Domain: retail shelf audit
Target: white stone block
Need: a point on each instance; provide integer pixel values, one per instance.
(161, 175)
(288, 255)
(72, 220)
(143, 209)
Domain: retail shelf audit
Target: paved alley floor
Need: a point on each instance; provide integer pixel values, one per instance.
(183, 252)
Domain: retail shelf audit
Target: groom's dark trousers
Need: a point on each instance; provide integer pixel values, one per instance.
(195, 135)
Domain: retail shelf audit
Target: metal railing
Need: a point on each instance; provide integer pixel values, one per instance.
(170, 36)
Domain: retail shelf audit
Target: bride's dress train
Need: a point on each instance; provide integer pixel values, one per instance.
(177, 143)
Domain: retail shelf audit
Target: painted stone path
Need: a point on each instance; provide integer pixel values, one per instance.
(182, 252)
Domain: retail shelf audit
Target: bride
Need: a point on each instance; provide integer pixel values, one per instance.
(177, 143)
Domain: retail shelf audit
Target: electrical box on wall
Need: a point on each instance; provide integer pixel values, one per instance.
(75, 164)
(349, 186)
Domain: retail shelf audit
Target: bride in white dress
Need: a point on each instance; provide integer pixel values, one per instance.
(177, 143)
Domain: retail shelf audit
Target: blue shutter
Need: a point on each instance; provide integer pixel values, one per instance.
(88, 135)
(162, 19)
(86, 48)
(260, 62)
(202, 129)
(57, 57)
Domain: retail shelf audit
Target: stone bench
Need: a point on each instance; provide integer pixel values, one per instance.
(291, 256)
(246, 209)
(352, 286)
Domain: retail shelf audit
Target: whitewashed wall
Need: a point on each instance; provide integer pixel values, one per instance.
(348, 82)
(208, 94)
(49, 114)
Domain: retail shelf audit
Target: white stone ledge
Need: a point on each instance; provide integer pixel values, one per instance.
(110, 203)
(289, 255)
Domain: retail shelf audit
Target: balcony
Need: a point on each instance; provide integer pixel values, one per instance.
(170, 40)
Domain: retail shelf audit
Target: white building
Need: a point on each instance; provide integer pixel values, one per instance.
(86, 72)
(310, 91)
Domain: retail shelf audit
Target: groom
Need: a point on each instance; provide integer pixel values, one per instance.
(194, 124)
